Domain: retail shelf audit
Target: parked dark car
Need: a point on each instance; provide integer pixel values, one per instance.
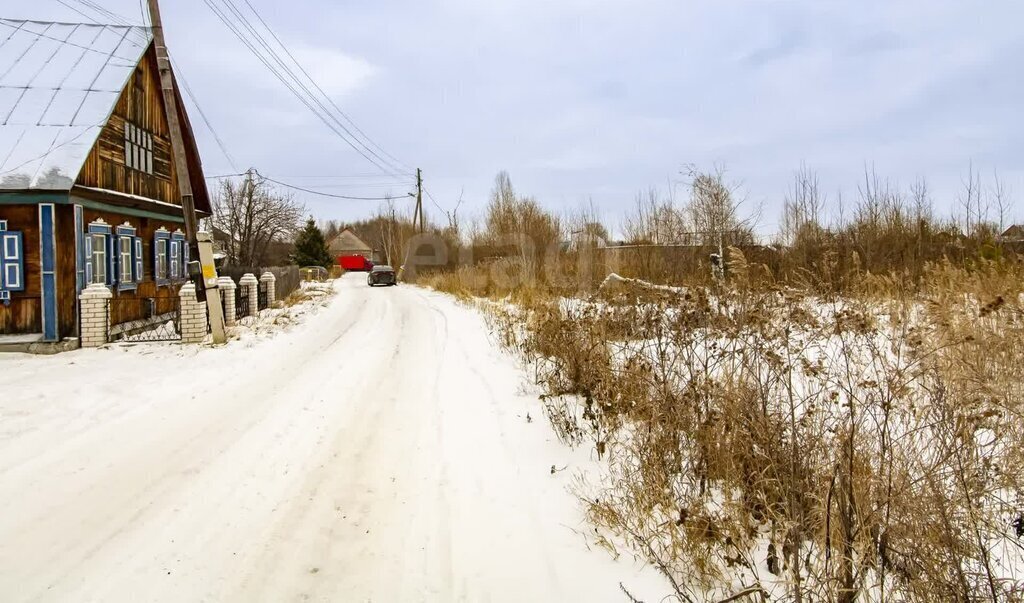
(381, 275)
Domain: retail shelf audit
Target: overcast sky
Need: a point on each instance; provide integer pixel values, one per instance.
(597, 99)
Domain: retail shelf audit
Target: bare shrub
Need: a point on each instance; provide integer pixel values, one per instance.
(810, 448)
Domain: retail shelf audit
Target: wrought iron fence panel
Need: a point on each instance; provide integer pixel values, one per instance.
(242, 304)
(144, 319)
(261, 297)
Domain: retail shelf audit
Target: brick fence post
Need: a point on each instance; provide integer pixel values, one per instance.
(95, 329)
(193, 315)
(227, 293)
(250, 281)
(270, 282)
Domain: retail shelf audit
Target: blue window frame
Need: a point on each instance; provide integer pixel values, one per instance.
(100, 262)
(12, 260)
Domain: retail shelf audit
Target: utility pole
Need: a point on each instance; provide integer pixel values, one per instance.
(171, 108)
(202, 246)
(419, 198)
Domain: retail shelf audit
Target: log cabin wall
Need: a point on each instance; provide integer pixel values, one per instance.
(145, 229)
(147, 145)
(166, 295)
(24, 314)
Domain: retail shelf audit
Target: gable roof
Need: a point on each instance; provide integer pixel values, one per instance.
(59, 83)
(1015, 231)
(348, 241)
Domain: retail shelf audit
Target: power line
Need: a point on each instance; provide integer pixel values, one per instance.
(304, 100)
(77, 11)
(434, 201)
(391, 164)
(291, 81)
(188, 89)
(202, 114)
(313, 192)
(308, 93)
(331, 101)
(106, 13)
(222, 176)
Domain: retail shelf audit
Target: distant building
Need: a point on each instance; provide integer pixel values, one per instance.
(348, 244)
(1013, 234)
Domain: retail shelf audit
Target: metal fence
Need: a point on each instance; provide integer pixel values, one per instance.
(288, 277)
(144, 319)
(241, 303)
(262, 301)
(288, 280)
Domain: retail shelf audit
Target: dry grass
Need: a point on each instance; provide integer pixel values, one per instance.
(810, 445)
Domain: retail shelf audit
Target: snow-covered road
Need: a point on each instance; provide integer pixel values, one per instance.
(378, 451)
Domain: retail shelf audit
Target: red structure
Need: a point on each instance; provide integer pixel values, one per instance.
(355, 263)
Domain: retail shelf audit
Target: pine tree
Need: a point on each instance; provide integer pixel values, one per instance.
(311, 248)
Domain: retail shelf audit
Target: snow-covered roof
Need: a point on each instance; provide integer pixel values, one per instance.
(59, 83)
(348, 241)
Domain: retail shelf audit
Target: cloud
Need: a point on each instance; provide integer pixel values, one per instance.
(338, 73)
(602, 98)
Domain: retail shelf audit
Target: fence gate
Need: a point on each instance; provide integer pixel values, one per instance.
(242, 303)
(261, 297)
(144, 319)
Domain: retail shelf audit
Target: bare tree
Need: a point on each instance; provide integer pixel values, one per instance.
(972, 200)
(803, 206)
(657, 221)
(714, 210)
(1001, 197)
(251, 216)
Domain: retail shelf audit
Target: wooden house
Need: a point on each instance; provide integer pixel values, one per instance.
(88, 187)
(1013, 234)
(347, 244)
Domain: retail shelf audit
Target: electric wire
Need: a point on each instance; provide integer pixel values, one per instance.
(248, 44)
(391, 164)
(396, 161)
(291, 81)
(313, 192)
(309, 94)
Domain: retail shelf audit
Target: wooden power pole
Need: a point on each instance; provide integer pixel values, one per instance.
(419, 199)
(163, 62)
(202, 249)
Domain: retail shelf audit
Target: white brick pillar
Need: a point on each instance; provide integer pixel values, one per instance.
(252, 286)
(269, 281)
(227, 293)
(193, 315)
(95, 315)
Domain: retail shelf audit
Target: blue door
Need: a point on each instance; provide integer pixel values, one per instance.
(48, 266)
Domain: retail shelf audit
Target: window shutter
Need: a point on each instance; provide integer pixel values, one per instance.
(88, 260)
(175, 259)
(139, 268)
(12, 261)
(111, 260)
(184, 259)
(3, 261)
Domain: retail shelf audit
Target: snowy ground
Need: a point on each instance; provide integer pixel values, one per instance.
(379, 450)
